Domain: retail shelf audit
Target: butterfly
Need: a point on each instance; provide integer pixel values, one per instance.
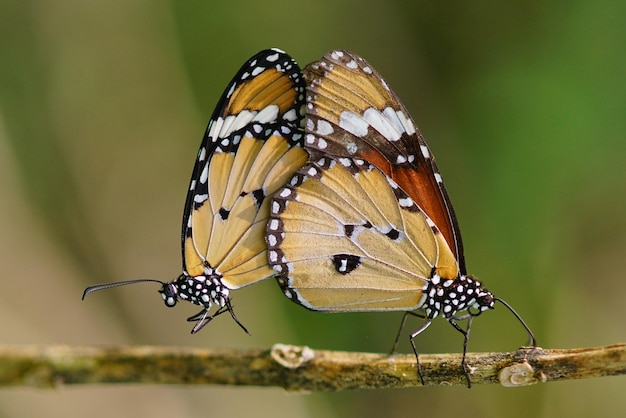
(367, 224)
(252, 147)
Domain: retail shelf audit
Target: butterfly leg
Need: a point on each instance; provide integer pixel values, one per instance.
(402, 323)
(412, 340)
(229, 307)
(465, 333)
(203, 317)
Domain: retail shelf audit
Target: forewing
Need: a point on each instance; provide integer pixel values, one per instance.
(352, 112)
(252, 146)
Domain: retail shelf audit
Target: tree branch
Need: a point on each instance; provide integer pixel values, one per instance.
(296, 368)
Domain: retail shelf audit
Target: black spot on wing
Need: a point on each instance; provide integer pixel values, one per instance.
(393, 234)
(346, 263)
(258, 196)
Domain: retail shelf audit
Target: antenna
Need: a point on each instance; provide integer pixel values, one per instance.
(97, 287)
(533, 340)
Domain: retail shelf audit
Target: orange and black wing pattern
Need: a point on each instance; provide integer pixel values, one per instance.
(252, 147)
(352, 112)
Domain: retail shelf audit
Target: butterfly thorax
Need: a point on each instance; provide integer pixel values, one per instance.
(199, 290)
(449, 297)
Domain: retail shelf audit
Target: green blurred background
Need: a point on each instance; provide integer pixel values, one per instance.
(103, 105)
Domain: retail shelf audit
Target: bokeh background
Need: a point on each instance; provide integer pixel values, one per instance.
(103, 105)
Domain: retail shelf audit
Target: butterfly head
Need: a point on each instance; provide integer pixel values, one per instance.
(483, 300)
(449, 297)
(199, 290)
(169, 292)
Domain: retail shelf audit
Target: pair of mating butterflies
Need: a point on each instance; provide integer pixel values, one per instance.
(321, 178)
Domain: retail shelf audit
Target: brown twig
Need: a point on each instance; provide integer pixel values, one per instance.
(296, 368)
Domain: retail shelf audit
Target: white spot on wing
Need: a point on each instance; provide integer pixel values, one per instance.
(291, 115)
(199, 198)
(409, 128)
(392, 183)
(257, 71)
(205, 174)
(346, 162)
(393, 118)
(352, 148)
(268, 114)
(353, 123)
(324, 127)
(381, 124)
(271, 240)
(231, 90)
(235, 122)
(215, 128)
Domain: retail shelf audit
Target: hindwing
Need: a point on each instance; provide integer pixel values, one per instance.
(343, 236)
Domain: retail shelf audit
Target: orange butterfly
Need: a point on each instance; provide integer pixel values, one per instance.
(252, 146)
(367, 224)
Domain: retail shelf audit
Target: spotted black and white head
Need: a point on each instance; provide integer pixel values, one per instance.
(451, 297)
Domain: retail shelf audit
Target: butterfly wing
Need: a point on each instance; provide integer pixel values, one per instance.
(344, 237)
(352, 112)
(252, 147)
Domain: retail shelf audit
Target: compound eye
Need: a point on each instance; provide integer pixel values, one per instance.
(484, 302)
(169, 294)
